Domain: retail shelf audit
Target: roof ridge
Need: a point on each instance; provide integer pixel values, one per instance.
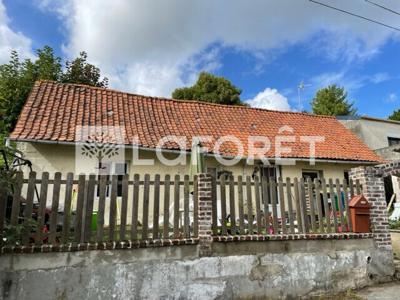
(186, 101)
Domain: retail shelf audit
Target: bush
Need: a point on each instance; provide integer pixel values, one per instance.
(394, 224)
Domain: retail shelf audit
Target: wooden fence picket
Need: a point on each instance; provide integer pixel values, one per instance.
(274, 200)
(195, 207)
(319, 205)
(29, 208)
(156, 206)
(16, 204)
(67, 208)
(281, 202)
(326, 206)
(135, 207)
(340, 203)
(186, 218)
(333, 204)
(232, 204)
(290, 204)
(79, 207)
(42, 209)
(102, 189)
(299, 212)
(145, 218)
(303, 206)
(240, 203)
(176, 206)
(91, 185)
(258, 204)
(346, 205)
(167, 184)
(266, 199)
(124, 206)
(249, 205)
(223, 205)
(54, 207)
(351, 185)
(113, 208)
(312, 206)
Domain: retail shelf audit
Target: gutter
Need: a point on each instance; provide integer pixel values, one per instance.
(320, 160)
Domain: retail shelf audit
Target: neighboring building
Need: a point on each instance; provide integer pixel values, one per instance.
(46, 132)
(382, 136)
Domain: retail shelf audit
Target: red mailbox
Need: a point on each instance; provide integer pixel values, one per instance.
(359, 214)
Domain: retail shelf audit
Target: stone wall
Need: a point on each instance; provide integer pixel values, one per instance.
(273, 269)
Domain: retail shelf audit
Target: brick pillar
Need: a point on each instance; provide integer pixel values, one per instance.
(374, 191)
(205, 212)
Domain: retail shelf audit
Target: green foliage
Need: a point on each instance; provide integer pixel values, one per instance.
(80, 71)
(18, 77)
(7, 179)
(12, 234)
(210, 88)
(394, 224)
(395, 116)
(332, 101)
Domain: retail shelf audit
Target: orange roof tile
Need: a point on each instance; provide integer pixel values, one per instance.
(53, 110)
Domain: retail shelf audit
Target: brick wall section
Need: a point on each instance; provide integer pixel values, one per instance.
(374, 191)
(205, 212)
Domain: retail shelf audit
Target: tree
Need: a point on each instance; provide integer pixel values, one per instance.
(395, 116)
(18, 77)
(332, 101)
(210, 88)
(80, 71)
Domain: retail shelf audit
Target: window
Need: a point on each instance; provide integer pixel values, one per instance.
(393, 141)
(225, 174)
(268, 172)
(347, 177)
(119, 169)
(312, 174)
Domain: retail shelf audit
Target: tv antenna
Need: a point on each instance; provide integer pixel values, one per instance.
(301, 88)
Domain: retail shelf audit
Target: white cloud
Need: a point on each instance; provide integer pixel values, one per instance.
(11, 40)
(155, 46)
(392, 98)
(380, 77)
(270, 99)
(348, 81)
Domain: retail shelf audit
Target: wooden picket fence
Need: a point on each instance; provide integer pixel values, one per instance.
(134, 209)
(252, 206)
(65, 209)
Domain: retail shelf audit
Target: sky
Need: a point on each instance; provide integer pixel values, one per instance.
(265, 47)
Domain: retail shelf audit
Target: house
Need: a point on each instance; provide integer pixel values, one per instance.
(49, 131)
(382, 136)
(82, 129)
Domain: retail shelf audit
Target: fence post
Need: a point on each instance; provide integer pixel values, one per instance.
(373, 189)
(205, 214)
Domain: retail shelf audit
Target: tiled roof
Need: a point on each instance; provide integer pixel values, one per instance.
(53, 111)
